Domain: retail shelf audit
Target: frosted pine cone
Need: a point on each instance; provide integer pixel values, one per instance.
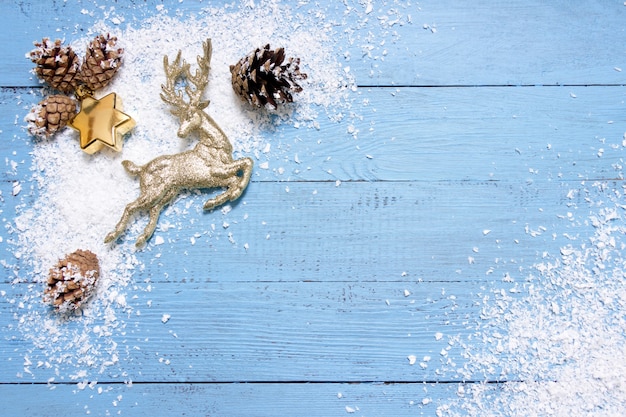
(72, 280)
(50, 115)
(58, 65)
(263, 79)
(101, 63)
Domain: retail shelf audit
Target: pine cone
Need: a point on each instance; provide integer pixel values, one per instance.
(263, 79)
(58, 65)
(101, 63)
(72, 280)
(50, 115)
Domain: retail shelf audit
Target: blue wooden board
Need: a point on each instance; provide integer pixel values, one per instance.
(355, 274)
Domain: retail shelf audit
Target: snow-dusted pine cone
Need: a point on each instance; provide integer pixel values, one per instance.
(264, 79)
(72, 280)
(50, 115)
(101, 63)
(57, 64)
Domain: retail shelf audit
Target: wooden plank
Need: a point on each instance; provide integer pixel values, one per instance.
(401, 43)
(357, 232)
(250, 332)
(444, 193)
(371, 232)
(494, 43)
(252, 400)
(428, 134)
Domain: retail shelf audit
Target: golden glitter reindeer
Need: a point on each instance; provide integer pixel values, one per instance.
(208, 165)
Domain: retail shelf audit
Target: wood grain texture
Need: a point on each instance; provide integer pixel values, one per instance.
(283, 332)
(481, 128)
(252, 400)
(362, 232)
(429, 135)
(426, 43)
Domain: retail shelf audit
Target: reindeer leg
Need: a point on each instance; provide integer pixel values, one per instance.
(155, 211)
(223, 196)
(140, 203)
(246, 168)
(234, 186)
(130, 209)
(149, 229)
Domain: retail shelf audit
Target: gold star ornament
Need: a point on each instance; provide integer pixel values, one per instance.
(101, 122)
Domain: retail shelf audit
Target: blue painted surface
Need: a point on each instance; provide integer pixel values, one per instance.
(483, 128)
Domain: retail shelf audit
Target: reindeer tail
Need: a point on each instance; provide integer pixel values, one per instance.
(131, 167)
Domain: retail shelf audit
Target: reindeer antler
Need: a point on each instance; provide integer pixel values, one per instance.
(198, 81)
(201, 78)
(168, 91)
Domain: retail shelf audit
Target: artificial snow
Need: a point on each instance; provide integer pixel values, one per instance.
(80, 197)
(559, 348)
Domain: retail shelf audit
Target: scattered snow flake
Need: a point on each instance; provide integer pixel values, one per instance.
(412, 359)
(572, 95)
(36, 247)
(407, 293)
(438, 336)
(350, 410)
(165, 318)
(618, 69)
(486, 232)
(337, 183)
(264, 165)
(17, 187)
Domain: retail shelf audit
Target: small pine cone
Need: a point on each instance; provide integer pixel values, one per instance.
(101, 63)
(58, 65)
(263, 79)
(50, 115)
(72, 280)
